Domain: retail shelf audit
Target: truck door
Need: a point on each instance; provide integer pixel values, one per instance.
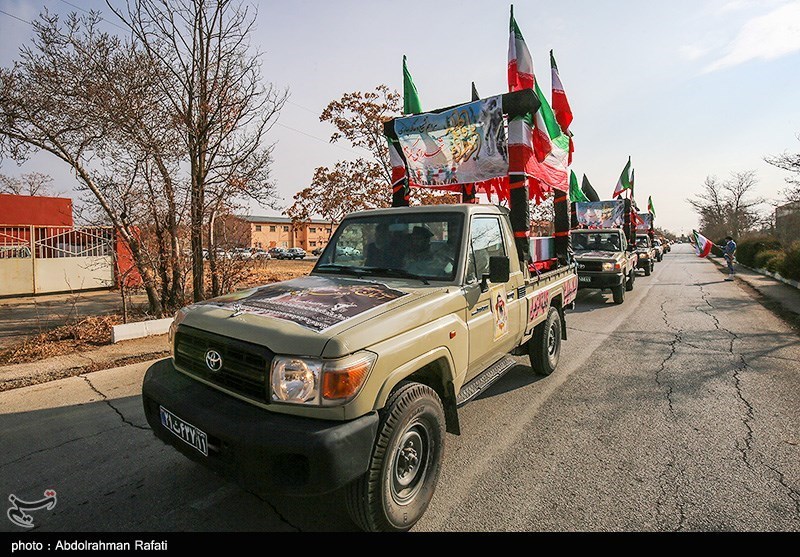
(493, 320)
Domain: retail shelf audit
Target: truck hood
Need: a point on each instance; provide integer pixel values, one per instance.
(597, 255)
(323, 316)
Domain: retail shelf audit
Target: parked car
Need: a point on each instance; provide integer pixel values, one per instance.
(242, 253)
(260, 253)
(294, 253)
(276, 253)
(317, 251)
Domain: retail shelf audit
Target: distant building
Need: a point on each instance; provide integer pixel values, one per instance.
(787, 222)
(269, 232)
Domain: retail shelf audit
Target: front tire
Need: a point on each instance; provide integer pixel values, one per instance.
(544, 348)
(648, 269)
(406, 460)
(619, 294)
(630, 281)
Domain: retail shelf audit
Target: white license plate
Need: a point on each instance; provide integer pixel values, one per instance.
(184, 431)
(584, 279)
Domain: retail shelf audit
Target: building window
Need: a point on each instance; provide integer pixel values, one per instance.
(284, 244)
(286, 229)
(272, 229)
(258, 228)
(312, 244)
(312, 230)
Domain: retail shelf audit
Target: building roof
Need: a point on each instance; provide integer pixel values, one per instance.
(277, 220)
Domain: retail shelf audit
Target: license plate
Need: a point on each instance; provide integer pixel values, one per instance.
(584, 279)
(184, 431)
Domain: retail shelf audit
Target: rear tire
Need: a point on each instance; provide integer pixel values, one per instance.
(630, 281)
(619, 294)
(406, 460)
(648, 269)
(544, 348)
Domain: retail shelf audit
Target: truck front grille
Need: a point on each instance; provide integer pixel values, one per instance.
(592, 266)
(244, 369)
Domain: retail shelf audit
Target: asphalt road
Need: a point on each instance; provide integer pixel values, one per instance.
(678, 410)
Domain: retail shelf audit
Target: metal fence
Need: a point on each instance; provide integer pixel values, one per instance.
(42, 259)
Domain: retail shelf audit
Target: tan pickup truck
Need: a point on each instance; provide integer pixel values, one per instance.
(351, 378)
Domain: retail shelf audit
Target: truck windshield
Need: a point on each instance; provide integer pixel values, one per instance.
(422, 246)
(595, 241)
(642, 242)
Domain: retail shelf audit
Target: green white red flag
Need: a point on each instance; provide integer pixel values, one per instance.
(650, 206)
(537, 147)
(576, 195)
(702, 245)
(561, 108)
(411, 104)
(624, 182)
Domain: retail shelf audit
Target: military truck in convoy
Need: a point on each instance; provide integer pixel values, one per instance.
(350, 378)
(602, 242)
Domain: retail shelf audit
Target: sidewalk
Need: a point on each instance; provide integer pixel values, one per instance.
(781, 298)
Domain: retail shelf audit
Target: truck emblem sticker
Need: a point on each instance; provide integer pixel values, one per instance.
(316, 303)
(213, 360)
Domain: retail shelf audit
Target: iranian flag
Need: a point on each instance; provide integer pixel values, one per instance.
(411, 104)
(624, 182)
(537, 146)
(561, 107)
(650, 206)
(702, 245)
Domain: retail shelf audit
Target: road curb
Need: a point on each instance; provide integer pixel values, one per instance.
(140, 329)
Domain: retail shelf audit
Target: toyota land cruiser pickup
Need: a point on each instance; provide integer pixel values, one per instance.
(604, 262)
(351, 377)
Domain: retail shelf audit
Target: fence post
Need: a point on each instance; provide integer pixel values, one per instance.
(32, 244)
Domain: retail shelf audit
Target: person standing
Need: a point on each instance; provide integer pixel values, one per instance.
(729, 252)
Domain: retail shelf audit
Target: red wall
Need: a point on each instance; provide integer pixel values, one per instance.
(35, 210)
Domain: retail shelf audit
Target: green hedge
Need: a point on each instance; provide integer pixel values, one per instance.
(790, 266)
(770, 260)
(749, 247)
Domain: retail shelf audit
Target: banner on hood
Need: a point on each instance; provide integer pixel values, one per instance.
(316, 303)
(463, 145)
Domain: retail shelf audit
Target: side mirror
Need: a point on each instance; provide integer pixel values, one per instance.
(499, 271)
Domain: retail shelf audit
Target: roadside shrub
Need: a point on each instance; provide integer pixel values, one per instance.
(747, 249)
(790, 266)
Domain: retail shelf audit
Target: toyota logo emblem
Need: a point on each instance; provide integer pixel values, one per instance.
(213, 360)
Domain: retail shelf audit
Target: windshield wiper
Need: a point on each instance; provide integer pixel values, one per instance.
(336, 268)
(393, 272)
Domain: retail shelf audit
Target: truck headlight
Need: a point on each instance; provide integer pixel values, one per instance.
(319, 382)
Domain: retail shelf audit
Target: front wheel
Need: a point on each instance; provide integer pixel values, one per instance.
(406, 460)
(648, 269)
(544, 348)
(630, 281)
(619, 294)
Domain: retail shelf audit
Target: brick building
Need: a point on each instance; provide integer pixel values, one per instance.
(270, 232)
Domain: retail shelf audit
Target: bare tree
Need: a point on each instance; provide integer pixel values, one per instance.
(33, 183)
(726, 208)
(213, 87)
(53, 100)
(789, 162)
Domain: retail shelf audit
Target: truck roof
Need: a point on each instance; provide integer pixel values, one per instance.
(465, 208)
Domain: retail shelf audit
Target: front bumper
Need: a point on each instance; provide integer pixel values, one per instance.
(599, 280)
(260, 450)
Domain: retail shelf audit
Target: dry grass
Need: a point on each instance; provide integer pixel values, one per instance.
(66, 339)
(276, 270)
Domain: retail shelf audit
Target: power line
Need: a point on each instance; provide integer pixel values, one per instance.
(318, 138)
(15, 17)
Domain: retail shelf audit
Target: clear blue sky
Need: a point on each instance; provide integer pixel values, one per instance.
(687, 88)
